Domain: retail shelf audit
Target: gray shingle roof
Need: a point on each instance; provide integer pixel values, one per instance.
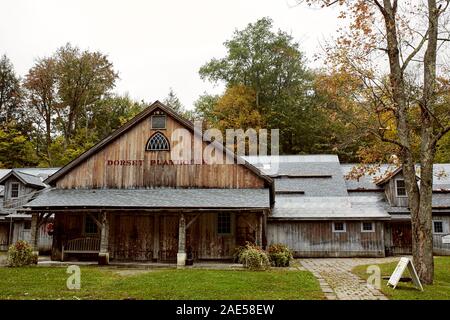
(30, 179)
(315, 175)
(25, 177)
(313, 187)
(154, 198)
(326, 208)
(441, 177)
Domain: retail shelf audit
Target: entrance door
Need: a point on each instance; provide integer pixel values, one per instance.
(401, 238)
(168, 241)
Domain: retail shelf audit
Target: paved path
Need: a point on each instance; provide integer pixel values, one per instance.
(339, 283)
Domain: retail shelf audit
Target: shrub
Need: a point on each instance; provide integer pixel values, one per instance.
(253, 257)
(21, 254)
(280, 255)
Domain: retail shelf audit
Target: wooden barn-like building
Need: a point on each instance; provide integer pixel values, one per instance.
(128, 199)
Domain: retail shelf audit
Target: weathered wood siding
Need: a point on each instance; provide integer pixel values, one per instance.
(139, 236)
(131, 237)
(439, 248)
(401, 238)
(4, 234)
(391, 193)
(95, 173)
(317, 239)
(25, 194)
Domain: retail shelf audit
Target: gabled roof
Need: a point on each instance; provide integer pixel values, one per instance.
(25, 178)
(389, 176)
(384, 172)
(130, 124)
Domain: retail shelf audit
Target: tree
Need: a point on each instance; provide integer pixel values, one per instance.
(172, 101)
(204, 108)
(112, 112)
(10, 91)
(393, 48)
(236, 109)
(84, 78)
(41, 84)
(15, 148)
(272, 65)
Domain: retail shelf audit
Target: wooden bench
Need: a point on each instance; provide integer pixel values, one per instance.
(81, 245)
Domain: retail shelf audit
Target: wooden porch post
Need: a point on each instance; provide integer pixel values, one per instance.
(156, 237)
(181, 255)
(35, 233)
(264, 230)
(259, 230)
(103, 256)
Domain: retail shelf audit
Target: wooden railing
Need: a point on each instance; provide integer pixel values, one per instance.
(81, 245)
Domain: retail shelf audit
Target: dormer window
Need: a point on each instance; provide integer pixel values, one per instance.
(14, 190)
(400, 188)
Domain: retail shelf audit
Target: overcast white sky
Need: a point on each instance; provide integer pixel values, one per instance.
(153, 44)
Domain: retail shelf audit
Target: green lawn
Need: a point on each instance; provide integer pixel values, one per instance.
(107, 283)
(440, 290)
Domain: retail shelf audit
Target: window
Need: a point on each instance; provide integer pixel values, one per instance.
(158, 122)
(224, 223)
(14, 190)
(27, 224)
(367, 227)
(339, 227)
(90, 227)
(400, 188)
(438, 227)
(158, 142)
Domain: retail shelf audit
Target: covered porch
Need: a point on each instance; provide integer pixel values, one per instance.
(198, 224)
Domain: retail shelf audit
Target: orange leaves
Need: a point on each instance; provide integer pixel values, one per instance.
(237, 109)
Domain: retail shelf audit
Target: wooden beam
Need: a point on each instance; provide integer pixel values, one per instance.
(192, 221)
(98, 223)
(103, 256)
(44, 218)
(156, 237)
(259, 235)
(148, 210)
(181, 255)
(182, 234)
(35, 232)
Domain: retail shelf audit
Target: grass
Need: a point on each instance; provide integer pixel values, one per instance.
(440, 290)
(107, 283)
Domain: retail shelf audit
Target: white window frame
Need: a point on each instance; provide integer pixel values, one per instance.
(18, 190)
(371, 230)
(340, 231)
(443, 227)
(396, 189)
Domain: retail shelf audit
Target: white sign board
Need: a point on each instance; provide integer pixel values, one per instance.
(446, 239)
(398, 272)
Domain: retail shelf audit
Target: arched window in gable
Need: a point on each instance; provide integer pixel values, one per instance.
(158, 142)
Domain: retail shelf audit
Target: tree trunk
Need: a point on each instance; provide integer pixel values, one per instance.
(421, 219)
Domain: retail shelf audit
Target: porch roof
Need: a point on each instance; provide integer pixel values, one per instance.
(152, 198)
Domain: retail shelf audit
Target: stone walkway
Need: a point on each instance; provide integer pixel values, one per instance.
(339, 283)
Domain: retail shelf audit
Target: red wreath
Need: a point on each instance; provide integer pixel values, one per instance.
(49, 229)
